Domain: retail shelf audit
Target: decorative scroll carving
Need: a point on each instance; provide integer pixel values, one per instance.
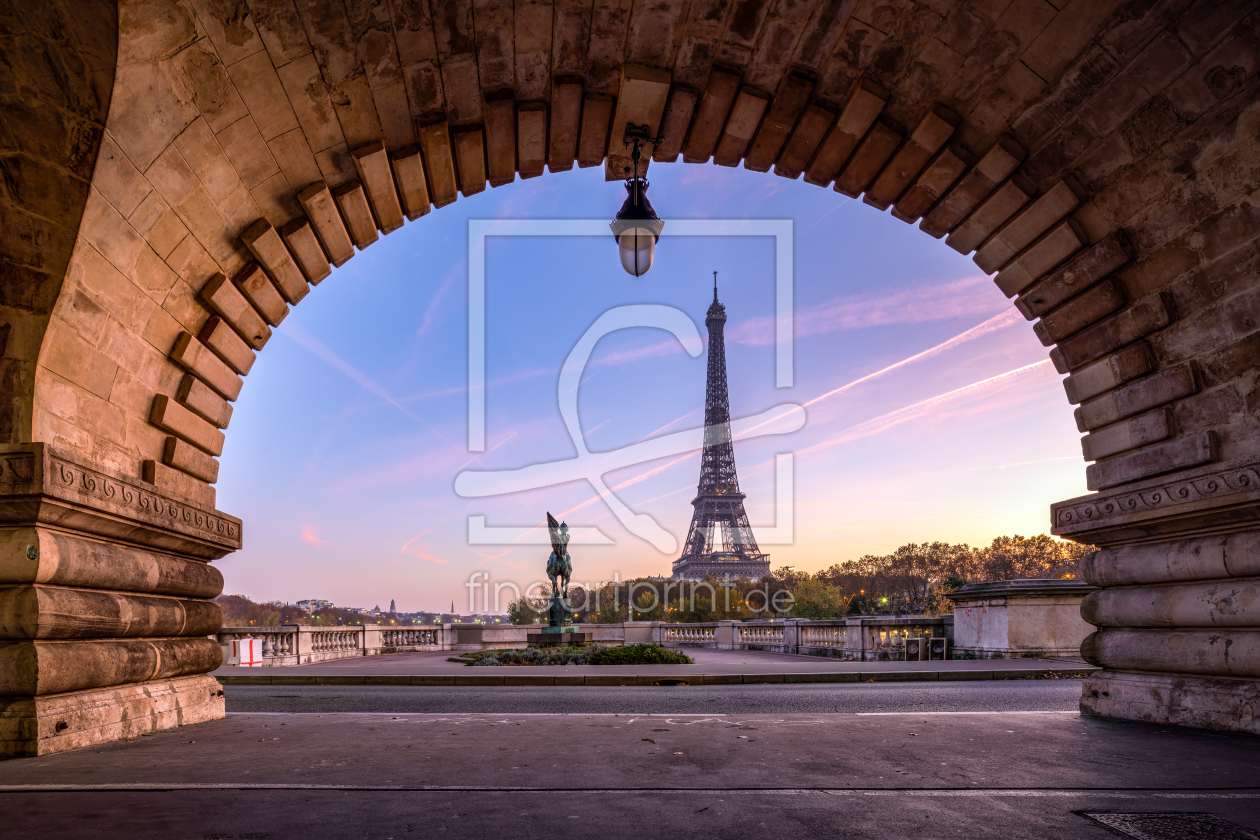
(83, 481)
(1175, 491)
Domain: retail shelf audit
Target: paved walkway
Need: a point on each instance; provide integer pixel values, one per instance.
(711, 667)
(1008, 776)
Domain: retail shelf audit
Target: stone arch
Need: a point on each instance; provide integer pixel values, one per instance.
(1097, 157)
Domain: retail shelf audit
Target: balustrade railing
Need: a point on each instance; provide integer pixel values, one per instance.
(756, 634)
(691, 634)
(278, 643)
(323, 641)
(409, 638)
(823, 635)
(867, 638)
(294, 644)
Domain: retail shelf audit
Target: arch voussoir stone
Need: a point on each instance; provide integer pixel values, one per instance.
(1099, 162)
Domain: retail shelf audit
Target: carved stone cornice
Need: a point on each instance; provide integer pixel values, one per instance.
(46, 485)
(1216, 499)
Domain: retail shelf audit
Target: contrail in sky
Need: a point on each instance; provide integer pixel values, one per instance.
(323, 352)
(991, 325)
(995, 323)
(910, 412)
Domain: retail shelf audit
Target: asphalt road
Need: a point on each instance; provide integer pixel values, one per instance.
(809, 698)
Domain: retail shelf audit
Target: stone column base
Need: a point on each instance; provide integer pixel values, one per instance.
(1178, 699)
(56, 722)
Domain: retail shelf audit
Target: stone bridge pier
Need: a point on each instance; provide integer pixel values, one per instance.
(175, 175)
(105, 609)
(1177, 617)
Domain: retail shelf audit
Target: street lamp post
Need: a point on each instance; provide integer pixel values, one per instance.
(636, 227)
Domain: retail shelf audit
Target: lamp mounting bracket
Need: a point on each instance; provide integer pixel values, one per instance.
(640, 135)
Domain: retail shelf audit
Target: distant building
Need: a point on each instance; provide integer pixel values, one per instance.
(311, 605)
(391, 607)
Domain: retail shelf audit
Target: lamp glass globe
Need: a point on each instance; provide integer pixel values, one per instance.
(637, 246)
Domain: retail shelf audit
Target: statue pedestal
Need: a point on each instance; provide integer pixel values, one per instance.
(560, 630)
(551, 636)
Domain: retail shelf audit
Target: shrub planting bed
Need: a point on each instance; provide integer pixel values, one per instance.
(590, 655)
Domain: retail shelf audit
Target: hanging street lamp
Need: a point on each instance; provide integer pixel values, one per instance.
(637, 227)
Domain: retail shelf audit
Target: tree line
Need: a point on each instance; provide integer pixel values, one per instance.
(913, 579)
(240, 611)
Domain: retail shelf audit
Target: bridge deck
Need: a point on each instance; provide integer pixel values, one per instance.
(409, 775)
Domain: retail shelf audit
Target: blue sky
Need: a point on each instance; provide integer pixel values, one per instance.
(932, 412)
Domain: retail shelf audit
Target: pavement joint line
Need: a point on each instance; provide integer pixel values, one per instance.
(1116, 793)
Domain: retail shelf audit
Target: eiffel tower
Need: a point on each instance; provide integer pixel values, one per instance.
(720, 542)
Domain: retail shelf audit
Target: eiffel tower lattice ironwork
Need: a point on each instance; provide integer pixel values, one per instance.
(720, 542)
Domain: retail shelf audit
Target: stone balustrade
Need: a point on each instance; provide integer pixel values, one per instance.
(824, 634)
(426, 638)
(303, 644)
(861, 639)
(867, 639)
(691, 635)
(333, 641)
(758, 635)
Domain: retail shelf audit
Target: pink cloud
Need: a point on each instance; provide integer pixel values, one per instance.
(417, 549)
(311, 537)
